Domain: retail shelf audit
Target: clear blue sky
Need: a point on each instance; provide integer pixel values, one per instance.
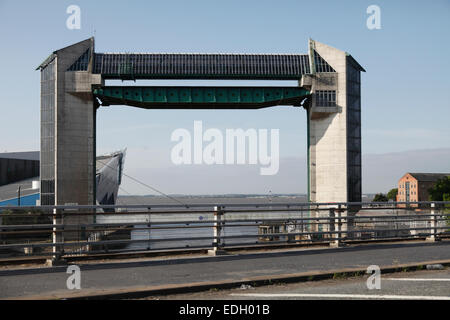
(405, 92)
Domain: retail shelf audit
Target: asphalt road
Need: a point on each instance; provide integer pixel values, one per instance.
(433, 285)
(44, 281)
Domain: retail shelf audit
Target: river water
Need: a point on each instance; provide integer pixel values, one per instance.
(175, 220)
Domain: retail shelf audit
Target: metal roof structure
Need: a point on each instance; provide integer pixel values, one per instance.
(196, 66)
(27, 155)
(9, 191)
(430, 177)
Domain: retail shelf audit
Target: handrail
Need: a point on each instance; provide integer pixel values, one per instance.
(73, 230)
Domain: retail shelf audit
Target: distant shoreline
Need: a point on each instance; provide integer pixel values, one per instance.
(218, 195)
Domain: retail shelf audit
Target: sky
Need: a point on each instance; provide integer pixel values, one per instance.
(405, 91)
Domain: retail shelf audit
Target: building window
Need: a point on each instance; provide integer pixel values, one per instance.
(325, 98)
(321, 64)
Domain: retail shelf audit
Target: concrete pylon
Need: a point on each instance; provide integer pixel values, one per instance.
(334, 125)
(68, 115)
(334, 128)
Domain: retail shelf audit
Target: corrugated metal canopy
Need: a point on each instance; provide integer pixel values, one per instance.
(201, 66)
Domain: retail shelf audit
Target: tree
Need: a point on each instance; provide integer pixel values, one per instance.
(440, 190)
(447, 211)
(380, 197)
(392, 194)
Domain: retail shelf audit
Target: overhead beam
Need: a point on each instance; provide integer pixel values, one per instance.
(200, 97)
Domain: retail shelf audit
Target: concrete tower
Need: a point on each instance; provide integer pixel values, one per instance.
(334, 125)
(68, 126)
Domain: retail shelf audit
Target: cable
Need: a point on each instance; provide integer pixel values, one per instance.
(146, 185)
(135, 197)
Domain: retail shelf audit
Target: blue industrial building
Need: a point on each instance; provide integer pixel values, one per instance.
(20, 180)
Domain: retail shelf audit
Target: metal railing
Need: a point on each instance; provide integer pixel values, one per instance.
(63, 231)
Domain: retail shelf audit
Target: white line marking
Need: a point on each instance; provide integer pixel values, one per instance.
(415, 279)
(331, 295)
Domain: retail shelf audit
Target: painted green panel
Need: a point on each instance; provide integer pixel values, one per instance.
(135, 94)
(269, 94)
(222, 95)
(209, 95)
(258, 95)
(160, 95)
(197, 95)
(113, 92)
(148, 95)
(234, 95)
(184, 95)
(246, 95)
(127, 93)
(290, 93)
(172, 95)
(277, 94)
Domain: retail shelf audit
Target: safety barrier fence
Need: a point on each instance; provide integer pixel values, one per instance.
(60, 231)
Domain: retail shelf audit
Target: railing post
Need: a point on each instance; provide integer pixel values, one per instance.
(217, 232)
(55, 255)
(331, 226)
(341, 227)
(335, 225)
(433, 237)
(149, 225)
(57, 237)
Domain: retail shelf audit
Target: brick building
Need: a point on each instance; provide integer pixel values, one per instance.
(414, 186)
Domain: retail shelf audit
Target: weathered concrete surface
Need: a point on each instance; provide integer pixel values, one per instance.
(75, 129)
(70, 165)
(209, 270)
(334, 131)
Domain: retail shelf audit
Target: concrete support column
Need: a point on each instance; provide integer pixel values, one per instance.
(217, 232)
(336, 226)
(433, 222)
(57, 238)
(334, 131)
(68, 131)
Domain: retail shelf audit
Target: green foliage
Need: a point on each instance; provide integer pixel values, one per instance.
(380, 197)
(392, 194)
(440, 190)
(446, 197)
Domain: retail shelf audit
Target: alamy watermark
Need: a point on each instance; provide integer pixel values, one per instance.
(374, 281)
(236, 146)
(73, 22)
(74, 280)
(374, 20)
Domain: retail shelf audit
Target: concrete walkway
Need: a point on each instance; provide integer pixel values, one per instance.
(100, 277)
